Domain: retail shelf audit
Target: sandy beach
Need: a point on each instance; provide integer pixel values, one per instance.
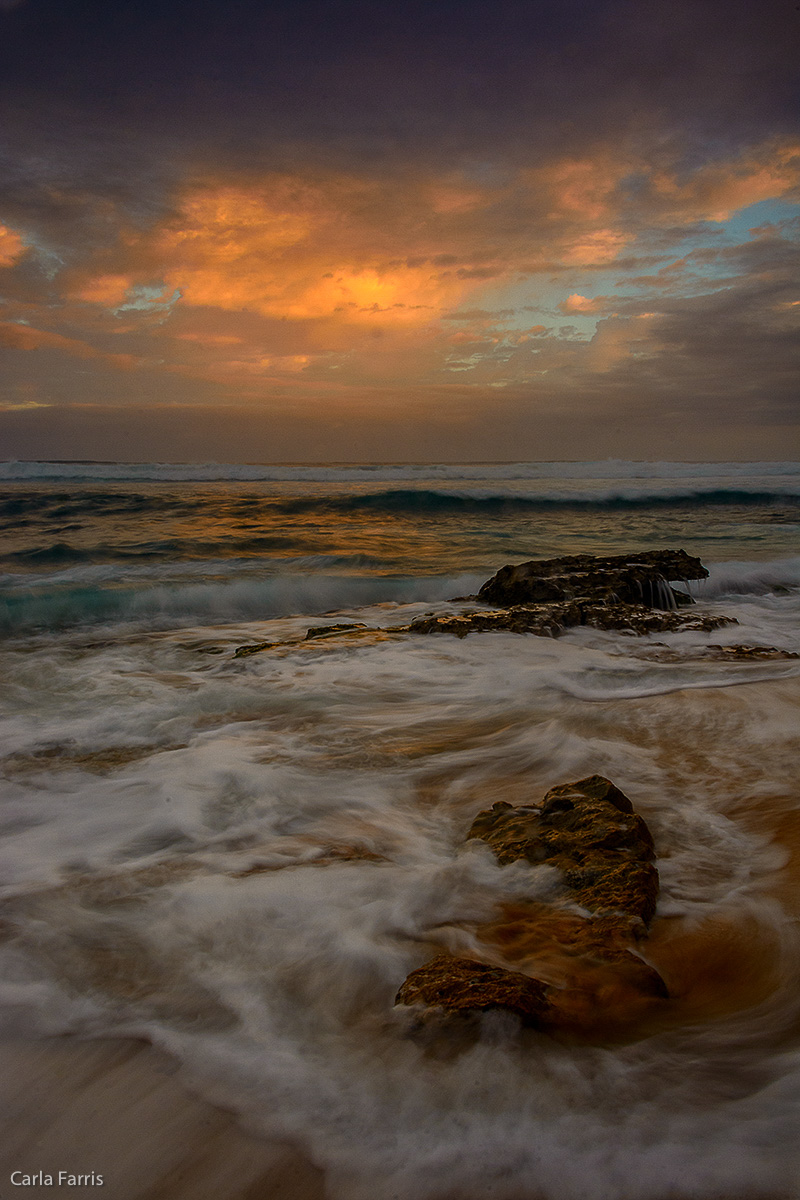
(118, 1108)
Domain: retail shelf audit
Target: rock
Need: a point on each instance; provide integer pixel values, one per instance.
(320, 631)
(747, 653)
(629, 593)
(658, 652)
(254, 648)
(551, 620)
(544, 619)
(589, 830)
(580, 974)
(626, 578)
(460, 985)
(315, 631)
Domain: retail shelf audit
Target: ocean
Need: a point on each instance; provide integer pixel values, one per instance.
(241, 859)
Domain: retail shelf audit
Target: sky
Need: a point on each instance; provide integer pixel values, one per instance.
(424, 230)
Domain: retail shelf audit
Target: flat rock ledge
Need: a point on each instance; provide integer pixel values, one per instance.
(568, 971)
(551, 620)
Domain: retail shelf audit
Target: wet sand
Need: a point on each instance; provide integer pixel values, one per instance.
(119, 1109)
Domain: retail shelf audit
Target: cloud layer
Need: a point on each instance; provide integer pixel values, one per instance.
(423, 293)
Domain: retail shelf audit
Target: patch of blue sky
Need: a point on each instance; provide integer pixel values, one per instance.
(49, 262)
(766, 212)
(149, 298)
(531, 300)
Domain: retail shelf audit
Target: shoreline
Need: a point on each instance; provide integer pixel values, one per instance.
(118, 1109)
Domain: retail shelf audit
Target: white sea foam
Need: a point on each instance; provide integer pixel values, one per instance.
(275, 987)
(170, 822)
(727, 579)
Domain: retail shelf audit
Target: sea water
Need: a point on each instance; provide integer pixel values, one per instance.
(241, 859)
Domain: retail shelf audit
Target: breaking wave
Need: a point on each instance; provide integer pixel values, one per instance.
(168, 605)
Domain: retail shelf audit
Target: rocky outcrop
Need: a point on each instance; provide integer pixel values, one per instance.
(630, 593)
(625, 578)
(570, 966)
(661, 653)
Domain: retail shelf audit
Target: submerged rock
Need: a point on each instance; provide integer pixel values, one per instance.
(566, 971)
(660, 652)
(323, 631)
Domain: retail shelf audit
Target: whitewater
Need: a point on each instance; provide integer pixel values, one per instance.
(240, 860)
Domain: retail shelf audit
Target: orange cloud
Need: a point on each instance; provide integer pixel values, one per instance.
(211, 339)
(344, 280)
(582, 305)
(109, 290)
(24, 337)
(284, 247)
(12, 246)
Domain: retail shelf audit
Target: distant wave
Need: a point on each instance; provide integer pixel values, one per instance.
(22, 508)
(419, 500)
(14, 471)
(57, 553)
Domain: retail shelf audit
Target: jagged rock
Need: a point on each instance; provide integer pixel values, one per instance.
(626, 578)
(590, 831)
(581, 975)
(636, 618)
(460, 985)
(547, 619)
(629, 593)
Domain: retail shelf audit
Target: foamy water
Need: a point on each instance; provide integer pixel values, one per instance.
(242, 859)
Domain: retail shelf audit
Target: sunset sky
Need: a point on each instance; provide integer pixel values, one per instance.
(302, 230)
